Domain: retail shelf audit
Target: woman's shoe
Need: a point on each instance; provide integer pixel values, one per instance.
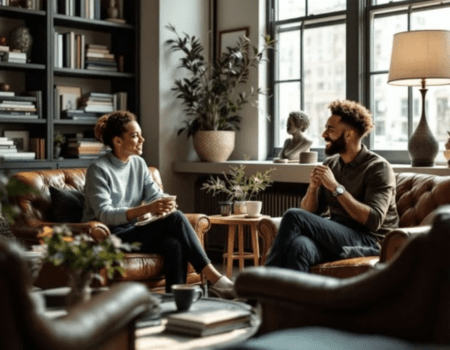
(223, 288)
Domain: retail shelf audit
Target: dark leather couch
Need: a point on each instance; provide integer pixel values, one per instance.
(107, 321)
(407, 298)
(35, 212)
(418, 195)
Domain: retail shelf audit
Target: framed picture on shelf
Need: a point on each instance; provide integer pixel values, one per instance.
(69, 101)
(229, 38)
(21, 139)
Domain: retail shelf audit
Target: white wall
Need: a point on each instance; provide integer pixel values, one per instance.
(162, 114)
(252, 139)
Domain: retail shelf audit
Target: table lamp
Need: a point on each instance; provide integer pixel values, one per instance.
(421, 58)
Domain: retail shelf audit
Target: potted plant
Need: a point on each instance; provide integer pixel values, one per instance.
(58, 141)
(82, 257)
(238, 187)
(214, 92)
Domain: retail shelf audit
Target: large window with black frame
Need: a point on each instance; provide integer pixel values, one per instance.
(308, 65)
(308, 69)
(397, 109)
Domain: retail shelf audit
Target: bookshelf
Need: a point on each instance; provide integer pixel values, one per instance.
(41, 73)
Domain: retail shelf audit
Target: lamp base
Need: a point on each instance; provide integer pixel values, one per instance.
(422, 163)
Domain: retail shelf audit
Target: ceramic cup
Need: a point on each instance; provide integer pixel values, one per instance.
(254, 208)
(308, 157)
(225, 208)
(185, 295)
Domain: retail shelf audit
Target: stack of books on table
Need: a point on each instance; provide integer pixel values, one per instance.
(26, 107)
(99, 57)
(97, 102)
(84, 148)
(8, 151)
(208, 322)
(15, 57)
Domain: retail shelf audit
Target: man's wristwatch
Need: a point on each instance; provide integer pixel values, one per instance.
(339, 190)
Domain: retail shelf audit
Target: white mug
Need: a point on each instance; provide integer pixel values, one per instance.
(254, 208)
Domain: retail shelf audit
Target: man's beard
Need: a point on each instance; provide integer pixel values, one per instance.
(336, 146)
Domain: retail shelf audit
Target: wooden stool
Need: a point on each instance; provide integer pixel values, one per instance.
(239, 221)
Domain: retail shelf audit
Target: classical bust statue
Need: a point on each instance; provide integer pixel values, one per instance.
(297, 123)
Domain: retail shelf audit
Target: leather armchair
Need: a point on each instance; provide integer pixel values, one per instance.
(418, 195)
(107, 321)
(406, 298)
(35, 212)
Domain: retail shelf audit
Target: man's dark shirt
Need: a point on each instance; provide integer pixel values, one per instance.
(370, 179)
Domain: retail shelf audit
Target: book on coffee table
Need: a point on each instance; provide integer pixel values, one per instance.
(208, 322)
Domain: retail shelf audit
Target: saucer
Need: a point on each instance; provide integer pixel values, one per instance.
(253, 216)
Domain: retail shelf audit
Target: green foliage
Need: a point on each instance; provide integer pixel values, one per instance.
(82, 252)
(10, 187)
(238, 186)
(210, 93)
(59, 138)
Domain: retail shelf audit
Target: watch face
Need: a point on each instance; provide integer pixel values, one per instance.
(340, 190)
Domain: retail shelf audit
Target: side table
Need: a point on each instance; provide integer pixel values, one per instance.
(239, 221)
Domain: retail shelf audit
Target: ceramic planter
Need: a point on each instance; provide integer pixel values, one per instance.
(214, 146)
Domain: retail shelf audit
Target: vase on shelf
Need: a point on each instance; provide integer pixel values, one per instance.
(79, 281)
(21, 39)
(56, 151)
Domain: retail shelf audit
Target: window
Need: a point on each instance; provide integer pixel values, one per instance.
(309, 62)
(404, 104)
(308, 68)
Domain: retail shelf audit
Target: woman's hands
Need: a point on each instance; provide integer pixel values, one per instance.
(162, 206)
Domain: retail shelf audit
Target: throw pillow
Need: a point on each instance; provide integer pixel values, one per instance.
(67, 205)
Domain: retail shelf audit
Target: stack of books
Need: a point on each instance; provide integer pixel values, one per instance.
(82, 8)
(84, 148)
(208, 322)
(99, 57)
(97, 102)
(27, 107)
(15, 57)
(8, 151)
(3, 51)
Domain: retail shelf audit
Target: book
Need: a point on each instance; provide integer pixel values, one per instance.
(7, 93)
(18, 156)
(4, 48)
(208, 322)
(37, 95)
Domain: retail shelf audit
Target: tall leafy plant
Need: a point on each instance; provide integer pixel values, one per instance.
(214, 92)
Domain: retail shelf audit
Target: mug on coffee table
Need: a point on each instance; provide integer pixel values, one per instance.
(185, 295)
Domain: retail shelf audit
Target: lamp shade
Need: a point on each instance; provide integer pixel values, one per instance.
(421, 54)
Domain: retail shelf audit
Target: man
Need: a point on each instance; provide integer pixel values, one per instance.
(355, 185)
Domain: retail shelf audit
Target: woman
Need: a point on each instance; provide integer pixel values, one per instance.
(297, 123)
(117, 184)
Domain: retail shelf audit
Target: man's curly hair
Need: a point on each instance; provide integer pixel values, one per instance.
(354, 115)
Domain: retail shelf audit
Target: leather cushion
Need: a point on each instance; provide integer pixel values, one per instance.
(345, 268)
(67, 205)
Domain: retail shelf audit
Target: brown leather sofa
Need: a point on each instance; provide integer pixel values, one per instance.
(35, 212)
(407, 298)
(418, 195)
(107, 321)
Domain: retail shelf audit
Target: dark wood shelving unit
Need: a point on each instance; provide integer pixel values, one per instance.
(41, 74)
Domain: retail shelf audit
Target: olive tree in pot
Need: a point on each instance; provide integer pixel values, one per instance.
(214, 92)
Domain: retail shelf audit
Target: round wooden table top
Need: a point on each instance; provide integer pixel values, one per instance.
(236, 219)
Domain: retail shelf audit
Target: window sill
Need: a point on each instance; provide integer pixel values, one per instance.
(295, 173)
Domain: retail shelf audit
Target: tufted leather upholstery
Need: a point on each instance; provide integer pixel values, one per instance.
(392, 299)
(418, 195)
(35, 213)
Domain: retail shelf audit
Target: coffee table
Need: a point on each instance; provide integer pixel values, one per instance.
(156, 337)
(239, 221)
